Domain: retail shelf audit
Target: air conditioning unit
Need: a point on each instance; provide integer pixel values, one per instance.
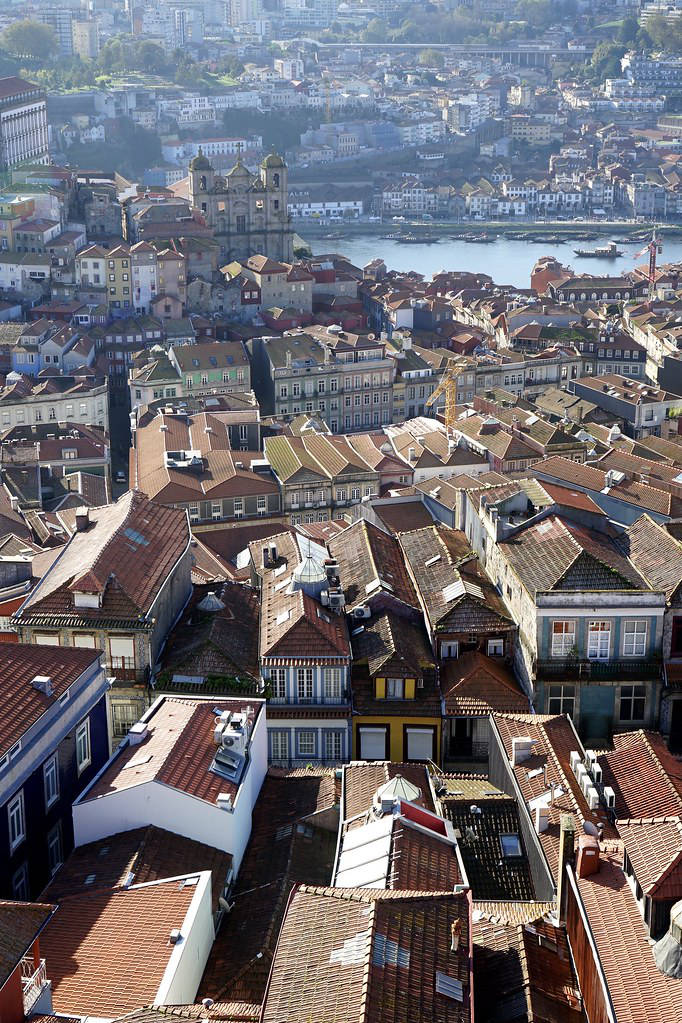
(609, 797)
(592, 797)
(596, 774)
(586, 784)
(575, 760)
(590, 758)
(580, 773)
(361, 612)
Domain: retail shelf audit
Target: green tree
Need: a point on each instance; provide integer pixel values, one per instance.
(606, 61)
(431, 58)
(30, 39)
(627, 33)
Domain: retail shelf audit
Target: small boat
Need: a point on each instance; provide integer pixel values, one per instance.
(610, 251)
(413, 239)
(481, 239)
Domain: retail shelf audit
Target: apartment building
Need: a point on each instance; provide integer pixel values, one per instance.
(23, 123)
(346, 379)
(218, 367)
(79, 399)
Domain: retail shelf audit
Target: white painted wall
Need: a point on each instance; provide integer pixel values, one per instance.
(178, 812)
(185, 968)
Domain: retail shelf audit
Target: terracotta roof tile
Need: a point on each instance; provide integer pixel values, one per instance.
(369, 557)
(639, 991)
(654, 848)
(645, 777)
(21, 705)
(177, 751)
(475, 685)
(656, 555)
(101, 961)
(349, 954)
(361, 780)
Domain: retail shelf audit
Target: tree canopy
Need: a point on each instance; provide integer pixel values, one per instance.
(30, 39)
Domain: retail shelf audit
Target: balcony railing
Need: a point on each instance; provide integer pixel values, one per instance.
(594, 670)
(33, 980)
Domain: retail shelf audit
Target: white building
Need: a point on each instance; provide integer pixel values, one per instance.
(191, 766)
(24, 402)
(23, 123)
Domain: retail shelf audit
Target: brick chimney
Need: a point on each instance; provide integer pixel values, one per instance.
(588, 856)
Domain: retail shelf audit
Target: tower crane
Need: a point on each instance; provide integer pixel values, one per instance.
(654, 248)
(448, 386)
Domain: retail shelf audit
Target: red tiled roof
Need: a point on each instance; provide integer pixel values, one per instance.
(369, 956)
(125, 555)
(639, 991)
(554, 740)
(475, 685)
(654, 848)
(108, 951)
(645, 777)
(360, 782)
(20, 703)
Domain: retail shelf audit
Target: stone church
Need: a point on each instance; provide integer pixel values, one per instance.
(247, 212)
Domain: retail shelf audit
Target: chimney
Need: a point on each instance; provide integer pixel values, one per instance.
(588, 856)
(82, 518)
(455, 935)
(541, 819)
(668, 951)
(43, 683)
(566, 856)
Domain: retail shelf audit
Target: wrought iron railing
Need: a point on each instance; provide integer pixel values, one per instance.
(631, 669)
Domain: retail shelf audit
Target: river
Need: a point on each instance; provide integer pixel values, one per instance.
(507, 260)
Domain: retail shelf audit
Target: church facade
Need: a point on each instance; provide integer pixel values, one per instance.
(247, 212)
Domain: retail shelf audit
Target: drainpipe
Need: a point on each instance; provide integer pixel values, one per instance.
(566, 856)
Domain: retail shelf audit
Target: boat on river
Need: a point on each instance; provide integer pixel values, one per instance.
(610, 251)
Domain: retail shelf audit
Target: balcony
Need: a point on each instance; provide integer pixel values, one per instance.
(631, 669)
(33, 982)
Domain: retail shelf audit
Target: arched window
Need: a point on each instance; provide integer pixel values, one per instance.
(275, 180)
(202, 183)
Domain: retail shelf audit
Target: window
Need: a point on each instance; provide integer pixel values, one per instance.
(332, 684)
(261, 503)
(449, 649)
(84, 640)
(305, 685)
(510, 845)
(194, 513)
(563, 638)
(395, 688)
(333, 746)
(123, 717)
(279, 745)
(20, 884)
(634, 639)
(599, 641)
(306, 743)
(83, 753)
(495, 647)
(122, 652)
(216, 510)
(561, 700)
(372, 743)
(278, 679)
(47, 639)
(17, 821)
(51, 781)
(238, 506)
(54, 848)
(632, 703)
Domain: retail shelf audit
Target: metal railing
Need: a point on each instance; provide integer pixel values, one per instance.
(33, 980)
(608, 670)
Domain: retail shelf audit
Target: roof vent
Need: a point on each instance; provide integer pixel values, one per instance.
(211, 602)
(43, 683)
(174, 936)
(82, 519)
(522, 749)
(668, 951)
(137, 733)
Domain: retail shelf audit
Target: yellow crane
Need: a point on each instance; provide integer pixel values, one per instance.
(448, 386)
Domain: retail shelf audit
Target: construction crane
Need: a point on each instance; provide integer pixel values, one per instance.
(448, 386)
(654, 248)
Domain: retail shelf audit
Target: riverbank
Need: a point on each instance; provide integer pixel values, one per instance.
(569, 230)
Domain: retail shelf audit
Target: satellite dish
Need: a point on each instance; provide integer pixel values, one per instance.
(590, 829)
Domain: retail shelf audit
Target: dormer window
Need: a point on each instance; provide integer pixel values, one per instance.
(89, 600)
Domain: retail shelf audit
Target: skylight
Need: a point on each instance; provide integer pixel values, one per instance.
(136, 537)
(282, 618)
(453, 590)
(510, 845)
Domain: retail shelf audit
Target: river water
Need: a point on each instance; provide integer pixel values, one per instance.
(507, 260)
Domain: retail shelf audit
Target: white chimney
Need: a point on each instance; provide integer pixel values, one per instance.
(522, 748)
(541, 819)
(137, 733)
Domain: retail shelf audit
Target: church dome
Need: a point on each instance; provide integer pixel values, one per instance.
(200, 162)
(272, 162)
